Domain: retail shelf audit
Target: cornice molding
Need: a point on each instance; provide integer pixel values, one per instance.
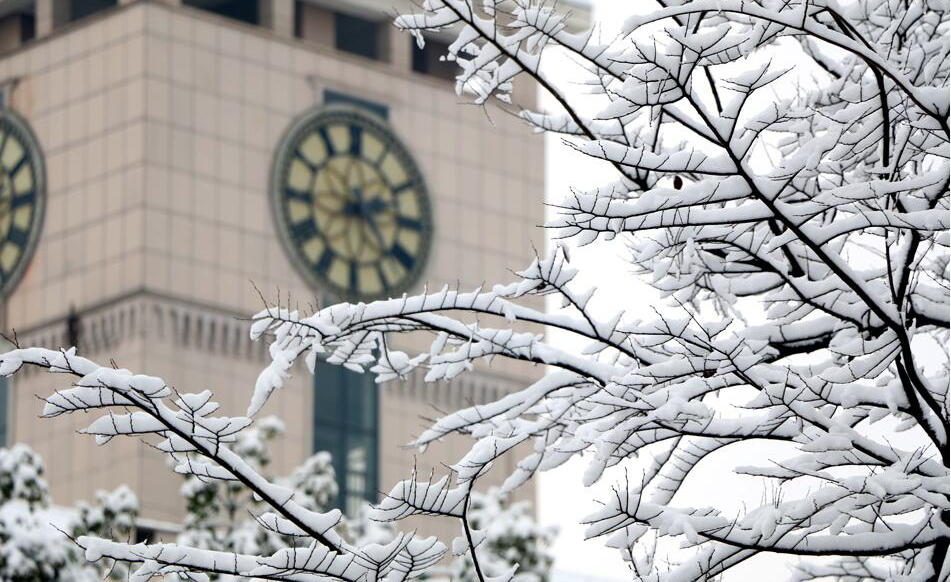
(151, 317)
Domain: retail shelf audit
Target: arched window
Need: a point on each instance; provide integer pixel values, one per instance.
(345, 425)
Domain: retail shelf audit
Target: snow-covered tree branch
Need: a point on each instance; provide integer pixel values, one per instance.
(795, 219)
(186, 430)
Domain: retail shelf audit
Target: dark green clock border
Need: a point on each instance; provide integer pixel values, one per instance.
(281, 165)
(11, 121)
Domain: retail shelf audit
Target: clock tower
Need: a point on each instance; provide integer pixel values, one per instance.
(159, 157)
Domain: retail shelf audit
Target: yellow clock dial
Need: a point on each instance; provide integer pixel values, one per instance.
(351, 205)
(22, 195)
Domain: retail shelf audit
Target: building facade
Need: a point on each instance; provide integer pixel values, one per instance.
(158, 128)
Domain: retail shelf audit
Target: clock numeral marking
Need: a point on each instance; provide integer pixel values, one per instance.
(323, 263)
(304, 230)
(17, 236)
(353, 276)
(402, 256)
(22, 199)
(327, 143)
(356, 140)
(303, 159)
(410, 223)
(382, 274)
(404, 187)
(16, 167)
(295, 194)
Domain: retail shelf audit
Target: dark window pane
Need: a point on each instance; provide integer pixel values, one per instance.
(357, 35)
(145, 534)
(345, 425)
(298, 19)
(361, 472)
(329, 439)
(27, 27)
(328, 396)
(427, 61)
(242, 10)
(361, 402)
(420, 60)
(83, 8)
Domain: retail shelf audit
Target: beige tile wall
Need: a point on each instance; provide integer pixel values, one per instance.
(159, 125)
(83, 93)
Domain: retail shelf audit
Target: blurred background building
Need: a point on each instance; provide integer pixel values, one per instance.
(150, 178)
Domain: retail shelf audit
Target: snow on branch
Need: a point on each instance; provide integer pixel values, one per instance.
(819, 192)
(185, 425)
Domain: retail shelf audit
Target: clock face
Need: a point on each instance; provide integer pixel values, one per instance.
(351, 205)
(22, 196)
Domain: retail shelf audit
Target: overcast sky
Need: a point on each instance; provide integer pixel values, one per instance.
(563, 500)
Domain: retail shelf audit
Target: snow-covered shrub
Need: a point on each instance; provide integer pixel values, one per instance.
(113, 516)
(21, 477)
(797, 236)
(314, 482)
(35, 544)
(509, 535)
(31, 550)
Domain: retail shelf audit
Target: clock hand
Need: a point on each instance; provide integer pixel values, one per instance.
(354, 207)
(367, 210)
(377, 205)
(375, 230)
